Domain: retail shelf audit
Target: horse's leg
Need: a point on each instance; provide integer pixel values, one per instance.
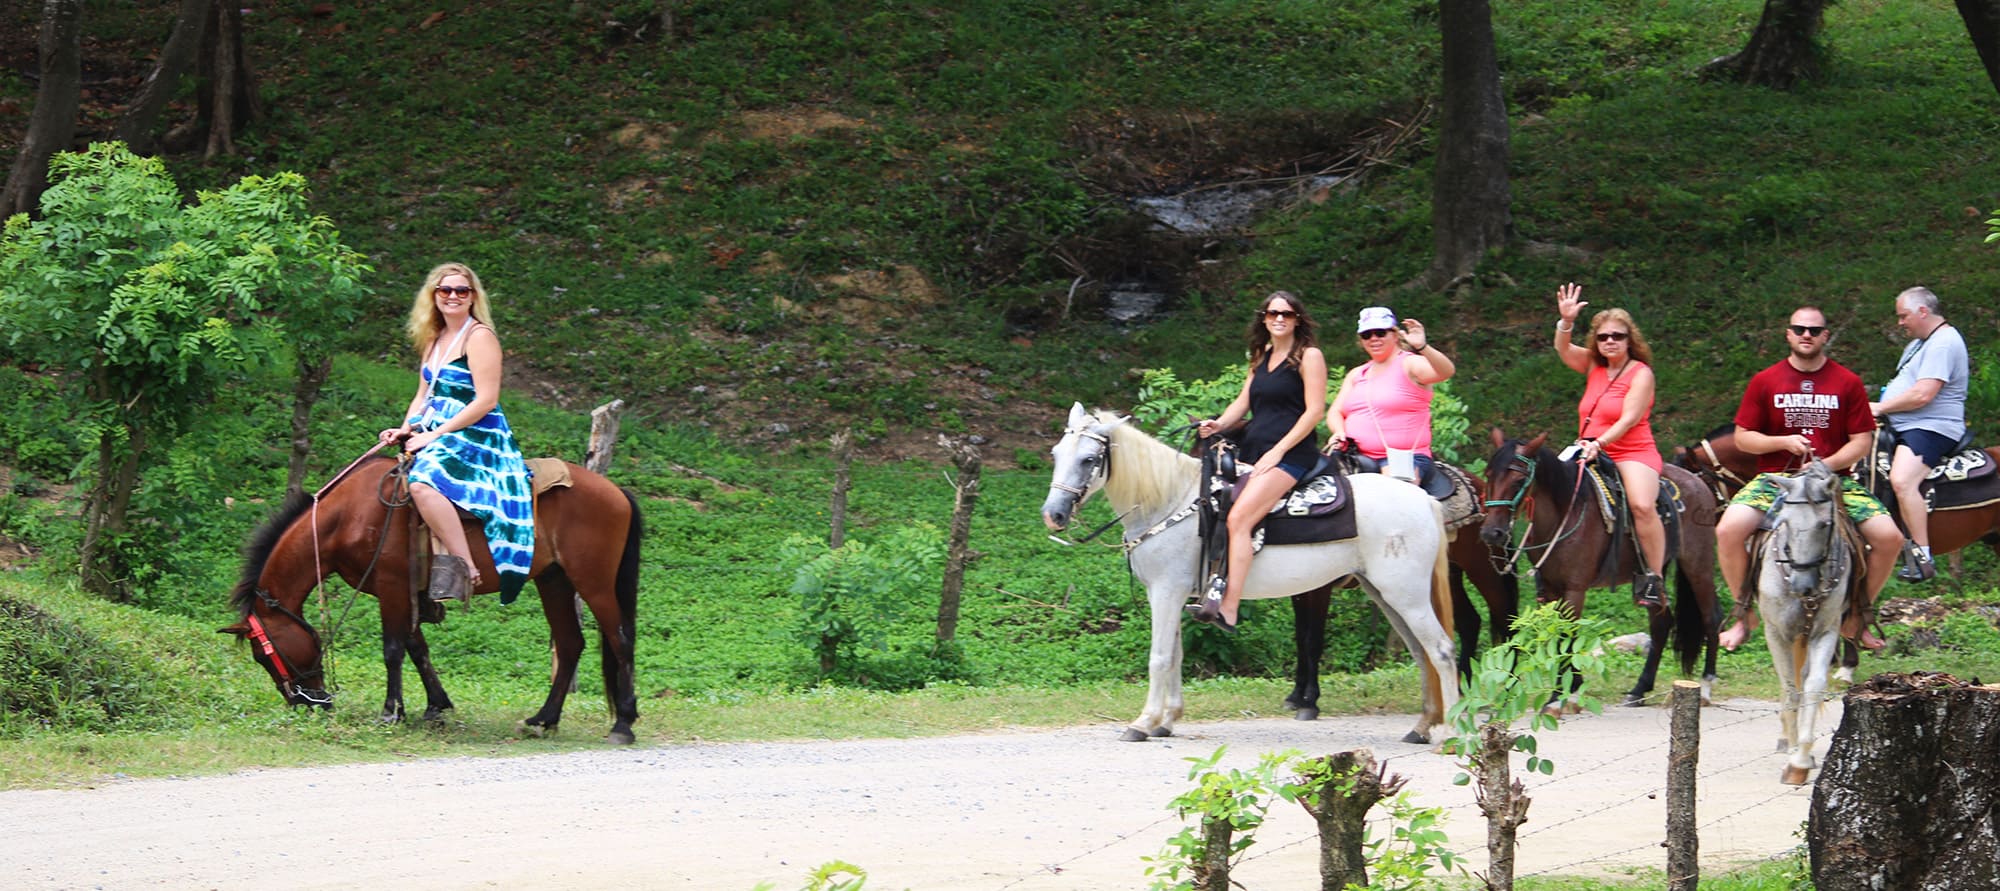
(1659, 627)
(1309, 614)
(1849, 658)
(615, 646)
(1465, 621)
(436, 701)
(1163, 663)
(1819, 654)
(392, 677)
(1570, 680)
(1778, 630)
(559, 608)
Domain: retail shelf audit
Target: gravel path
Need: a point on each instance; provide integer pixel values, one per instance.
(1060, 809)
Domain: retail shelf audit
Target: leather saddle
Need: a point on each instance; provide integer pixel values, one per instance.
(1969, 477)
(1435, 481)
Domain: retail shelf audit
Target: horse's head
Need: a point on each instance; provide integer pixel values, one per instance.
(1802, 525)
(1510, 475)
(286, 645)
(1082, 464)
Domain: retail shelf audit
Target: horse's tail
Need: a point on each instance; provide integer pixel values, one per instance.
(627, 589)
(1435, 680)
(1690, 622)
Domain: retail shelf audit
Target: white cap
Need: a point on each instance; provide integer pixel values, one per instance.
(1375, 317)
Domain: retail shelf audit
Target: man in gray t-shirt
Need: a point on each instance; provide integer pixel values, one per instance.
(1925, 405)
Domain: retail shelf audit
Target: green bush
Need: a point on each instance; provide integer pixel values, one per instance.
(54, 675)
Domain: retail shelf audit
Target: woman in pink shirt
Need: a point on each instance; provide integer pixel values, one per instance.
(1385, 403)
(1614, 419)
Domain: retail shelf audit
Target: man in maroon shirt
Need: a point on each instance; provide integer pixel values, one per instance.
(1804, 406)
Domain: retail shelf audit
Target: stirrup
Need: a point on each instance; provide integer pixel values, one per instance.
(1916, 566)
(1647, 590)
(1208, 606)
(451, 579)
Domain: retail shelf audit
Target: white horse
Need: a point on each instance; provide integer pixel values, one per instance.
(1802, 593)
(1398, 557)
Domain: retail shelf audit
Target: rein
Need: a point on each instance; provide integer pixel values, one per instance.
(1834, 552)
(1548, 548)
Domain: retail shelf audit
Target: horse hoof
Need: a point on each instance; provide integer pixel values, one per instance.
(537, 731)
(1163, 731)
(1635, 700)
(1306, 714)
(1417, 739)
(1794, 776)
(1133, 734)
(1844, 675)
(620, 738)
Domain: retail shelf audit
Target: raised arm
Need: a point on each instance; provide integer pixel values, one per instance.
(1426, 364)
(1569, 305)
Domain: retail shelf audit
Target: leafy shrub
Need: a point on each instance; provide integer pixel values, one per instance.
(850, 595)
(56, 675)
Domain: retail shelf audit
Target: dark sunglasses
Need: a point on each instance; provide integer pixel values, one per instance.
(453, 290)
(1808, 330)
(1280, 314)
(1373, 333)
(1611, 336)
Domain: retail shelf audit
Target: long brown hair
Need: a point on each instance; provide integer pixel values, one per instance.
(1302, 330)
(1637, 348)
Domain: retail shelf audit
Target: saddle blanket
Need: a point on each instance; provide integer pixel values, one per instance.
(1965, 480)
(1320, 510)
(548, 473)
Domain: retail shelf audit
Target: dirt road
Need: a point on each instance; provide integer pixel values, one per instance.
(1061, 809)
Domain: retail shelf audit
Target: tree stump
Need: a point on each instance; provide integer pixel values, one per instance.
(1909, 794)
(1354, 783)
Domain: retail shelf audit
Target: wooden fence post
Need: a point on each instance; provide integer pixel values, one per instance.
(1683, 755)
(965, 457)
(1503, 800)
(843, 460)
(603, 435)
(1340, 804)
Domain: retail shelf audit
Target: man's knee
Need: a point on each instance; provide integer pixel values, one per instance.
(1881, 532)
(1736, 525)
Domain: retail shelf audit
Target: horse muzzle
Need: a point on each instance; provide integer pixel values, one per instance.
(1056, 520)
(312, 697)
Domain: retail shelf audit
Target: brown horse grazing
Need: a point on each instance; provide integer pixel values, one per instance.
(1468, 557)
(1573, 552)
(586, 544)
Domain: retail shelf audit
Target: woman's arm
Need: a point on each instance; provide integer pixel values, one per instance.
(1336, 414)
(416, 407)
(1312, 367)
(1569, 305)
(1426, 364)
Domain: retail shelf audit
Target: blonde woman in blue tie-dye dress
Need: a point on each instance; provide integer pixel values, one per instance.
(462, 451)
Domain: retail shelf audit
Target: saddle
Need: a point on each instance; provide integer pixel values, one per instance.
(1967, 479)
(1611, 507)
(1449, 484)
(1319, 508)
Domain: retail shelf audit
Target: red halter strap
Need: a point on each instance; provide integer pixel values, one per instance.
(263, 642)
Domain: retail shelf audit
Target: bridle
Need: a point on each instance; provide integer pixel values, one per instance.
(1833, 551)
(1097, 469)
(291, 681)
(1505, 562)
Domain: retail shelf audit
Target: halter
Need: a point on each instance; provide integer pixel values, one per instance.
(1833, 551)
(1505, 563)
(1100, 470)
(290, 680)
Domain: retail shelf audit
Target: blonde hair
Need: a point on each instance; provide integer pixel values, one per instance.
(1638, 349)
(425, 321)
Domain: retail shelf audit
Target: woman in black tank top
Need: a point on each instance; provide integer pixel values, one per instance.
(1285, 396)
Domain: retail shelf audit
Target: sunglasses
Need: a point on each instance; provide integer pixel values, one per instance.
(1280, 314)
(1808, 330)
(1611, 336)
(453, 290)
(1373, 333)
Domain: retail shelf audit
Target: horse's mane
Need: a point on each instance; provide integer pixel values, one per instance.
(1144, 470)
(1720, 431)
(258, 551)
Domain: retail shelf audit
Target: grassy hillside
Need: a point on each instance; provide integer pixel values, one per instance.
(781, 218)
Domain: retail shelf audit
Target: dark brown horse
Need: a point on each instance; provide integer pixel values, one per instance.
(1573, 552)
(586, 545)
(1469, 558)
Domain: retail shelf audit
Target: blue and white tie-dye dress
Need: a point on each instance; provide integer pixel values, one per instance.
(480, 469)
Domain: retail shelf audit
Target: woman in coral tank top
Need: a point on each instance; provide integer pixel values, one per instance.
(1614, 418)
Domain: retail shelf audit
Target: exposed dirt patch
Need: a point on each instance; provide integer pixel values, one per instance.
(791, 122)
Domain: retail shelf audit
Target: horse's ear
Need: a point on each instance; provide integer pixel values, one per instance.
(1078, 415)
(1499, 438)
(238, 629)
(1535, 445)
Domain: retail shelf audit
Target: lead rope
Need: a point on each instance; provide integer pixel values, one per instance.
(319, 572)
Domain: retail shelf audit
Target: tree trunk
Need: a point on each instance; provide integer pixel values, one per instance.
(1212, 873)
(1469, 192)
(1982, 22)
(1781, 52)
(1910, 787)
(53, 122)
(843, 459)
(1340, 805)
(102, 558)
(966, 458)
(1504, 801)
(305, 393)
(136, 128)
(229, 98)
